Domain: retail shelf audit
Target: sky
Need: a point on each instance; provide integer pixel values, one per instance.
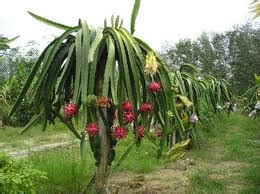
(157, 22)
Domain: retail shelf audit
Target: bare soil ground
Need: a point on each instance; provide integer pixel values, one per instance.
(174, 178)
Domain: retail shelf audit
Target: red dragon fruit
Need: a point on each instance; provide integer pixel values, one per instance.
(146, 107)
(127, 106)
(141, 131)
(129, 117)
(70, 110)
(91, 129)
(119, 133)
(154, 87)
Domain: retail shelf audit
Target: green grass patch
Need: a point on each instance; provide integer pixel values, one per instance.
(66, 172)
(234, 138)
(141, 159)
(11, 139)
(201, 181)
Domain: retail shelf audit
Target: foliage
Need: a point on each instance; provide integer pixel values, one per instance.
(17, 62)
(14, 70)
(4, 116)
(3, 48)
(8, 94)
(206, 95)
(232, 55)
(18, 176)
(251, 98)
(24, 113)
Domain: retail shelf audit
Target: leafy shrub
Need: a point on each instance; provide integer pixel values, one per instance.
(21, 117)
(24, 113)
(8, 95)
(18, 176)
(4, 111)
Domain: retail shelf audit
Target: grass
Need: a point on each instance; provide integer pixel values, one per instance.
(229, 152)
(68, 174)
(235, 140)
(141, 159)
(11, 139)
(64, 168)
(201, 181)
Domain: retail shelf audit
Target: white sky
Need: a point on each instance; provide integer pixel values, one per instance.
(157, 22)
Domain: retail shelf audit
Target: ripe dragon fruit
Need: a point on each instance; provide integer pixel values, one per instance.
(127, 106)
(140, 130)
(154, 87)
(119, 133)
(128, 117)
(91, 129)
(146, 107)
(70, 110)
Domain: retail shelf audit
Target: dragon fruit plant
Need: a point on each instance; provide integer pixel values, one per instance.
(113, 79)
(251, 99)
(192, 91)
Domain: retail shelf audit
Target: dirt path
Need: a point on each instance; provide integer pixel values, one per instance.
(213, 169)
(40, 148)
(22, 147)
(175, 178)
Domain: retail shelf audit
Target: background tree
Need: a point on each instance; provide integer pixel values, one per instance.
(15, 64)
(232, 55)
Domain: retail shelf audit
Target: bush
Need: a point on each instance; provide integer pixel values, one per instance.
(17, 176)
(4, 111)
(8, 95)
(24, 113)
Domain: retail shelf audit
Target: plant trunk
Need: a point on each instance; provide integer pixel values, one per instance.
(102, 171)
